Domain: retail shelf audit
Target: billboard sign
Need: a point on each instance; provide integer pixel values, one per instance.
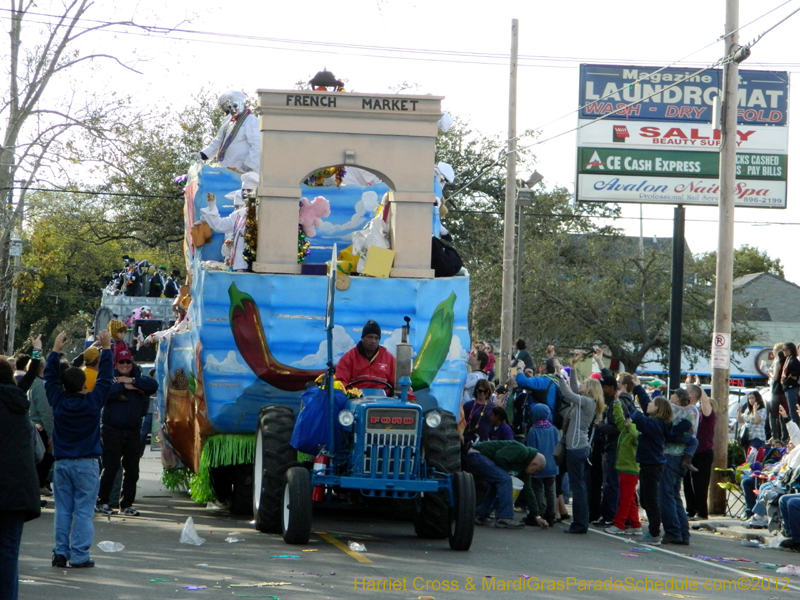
(629, 161)
(645, 135)
(678, 136)
(600, 187)
(680, 95)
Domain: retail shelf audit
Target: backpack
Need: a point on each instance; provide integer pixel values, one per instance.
(522, 418)
(560, 408)
(445, 261)
(525, 397)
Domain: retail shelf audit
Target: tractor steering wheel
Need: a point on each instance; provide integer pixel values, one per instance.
(384, 384)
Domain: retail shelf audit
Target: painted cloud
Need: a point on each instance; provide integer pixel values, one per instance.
(363, 208)
(229, 365)
(342, 342)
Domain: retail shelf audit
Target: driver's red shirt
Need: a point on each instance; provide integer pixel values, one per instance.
(354, 365)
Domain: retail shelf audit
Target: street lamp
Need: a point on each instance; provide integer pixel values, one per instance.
(524, 198)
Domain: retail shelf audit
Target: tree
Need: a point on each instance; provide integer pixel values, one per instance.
(77, 239)
(610, 290)
(42, 109)
(142, 203)
(476, 207)
(64, 267)
(583, 284)
(746, 260)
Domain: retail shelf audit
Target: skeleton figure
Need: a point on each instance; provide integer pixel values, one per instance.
(238, 142)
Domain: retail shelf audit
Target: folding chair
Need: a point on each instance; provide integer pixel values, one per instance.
(734, 498)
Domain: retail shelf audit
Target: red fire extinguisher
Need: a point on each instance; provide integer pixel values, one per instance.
(321, 462)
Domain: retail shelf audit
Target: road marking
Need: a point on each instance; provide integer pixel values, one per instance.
(703, 562)
(343, 547)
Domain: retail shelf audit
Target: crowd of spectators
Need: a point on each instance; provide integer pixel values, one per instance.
(616, 446)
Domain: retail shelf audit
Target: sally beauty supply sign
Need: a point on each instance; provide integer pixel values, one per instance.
(654, 141)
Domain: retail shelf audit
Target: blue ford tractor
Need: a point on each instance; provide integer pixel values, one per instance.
(377, 446)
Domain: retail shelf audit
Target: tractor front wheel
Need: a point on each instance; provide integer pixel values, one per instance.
(443, 453)
(462, 515)
(296, 514)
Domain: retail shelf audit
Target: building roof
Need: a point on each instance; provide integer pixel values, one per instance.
(767, 297)
(745, 279)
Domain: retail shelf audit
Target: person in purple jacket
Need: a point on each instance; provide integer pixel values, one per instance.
(76, 449)
(477, 413)
(501, 430)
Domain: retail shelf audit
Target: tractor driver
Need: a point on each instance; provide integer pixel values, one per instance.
(369, 363)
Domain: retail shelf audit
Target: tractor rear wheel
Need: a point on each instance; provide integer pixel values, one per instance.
(274, 457)
(443, 453)
(242, 497)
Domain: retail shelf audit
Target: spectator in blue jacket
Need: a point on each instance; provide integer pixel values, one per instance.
(548, 382)
(76, 448)
(128, 403)
(544, 436)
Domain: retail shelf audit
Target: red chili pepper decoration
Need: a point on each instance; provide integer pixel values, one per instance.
(248, 333)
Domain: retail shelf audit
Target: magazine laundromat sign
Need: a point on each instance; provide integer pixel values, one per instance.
(684, 95)
(597, 187)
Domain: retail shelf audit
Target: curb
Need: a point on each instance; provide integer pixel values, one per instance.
(762, 536)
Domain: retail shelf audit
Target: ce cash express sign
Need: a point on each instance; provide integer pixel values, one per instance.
(624, 161)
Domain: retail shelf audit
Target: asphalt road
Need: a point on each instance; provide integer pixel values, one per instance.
(326, 568)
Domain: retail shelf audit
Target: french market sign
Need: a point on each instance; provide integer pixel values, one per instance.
(627, 161)
(597, 187)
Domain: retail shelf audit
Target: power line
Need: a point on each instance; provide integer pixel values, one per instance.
(758, 39)
(95, 193)
(612, 217)
(370, 50)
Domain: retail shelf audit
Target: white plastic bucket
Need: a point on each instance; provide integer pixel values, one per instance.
(516, 485)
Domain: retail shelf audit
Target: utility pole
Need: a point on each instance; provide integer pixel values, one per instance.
(723, 300)
(524, 199)
(507, 312)
(14, 251)
(518, 290)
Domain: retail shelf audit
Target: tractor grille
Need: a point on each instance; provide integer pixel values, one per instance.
(390, 448)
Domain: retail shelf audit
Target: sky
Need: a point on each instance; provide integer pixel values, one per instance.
(460, 50)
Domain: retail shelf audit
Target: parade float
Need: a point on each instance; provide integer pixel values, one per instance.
(252, 342)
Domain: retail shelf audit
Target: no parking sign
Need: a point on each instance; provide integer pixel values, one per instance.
(721, 351)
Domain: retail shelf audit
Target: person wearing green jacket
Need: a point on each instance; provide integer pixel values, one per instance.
(491, 462)
(626, 521)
